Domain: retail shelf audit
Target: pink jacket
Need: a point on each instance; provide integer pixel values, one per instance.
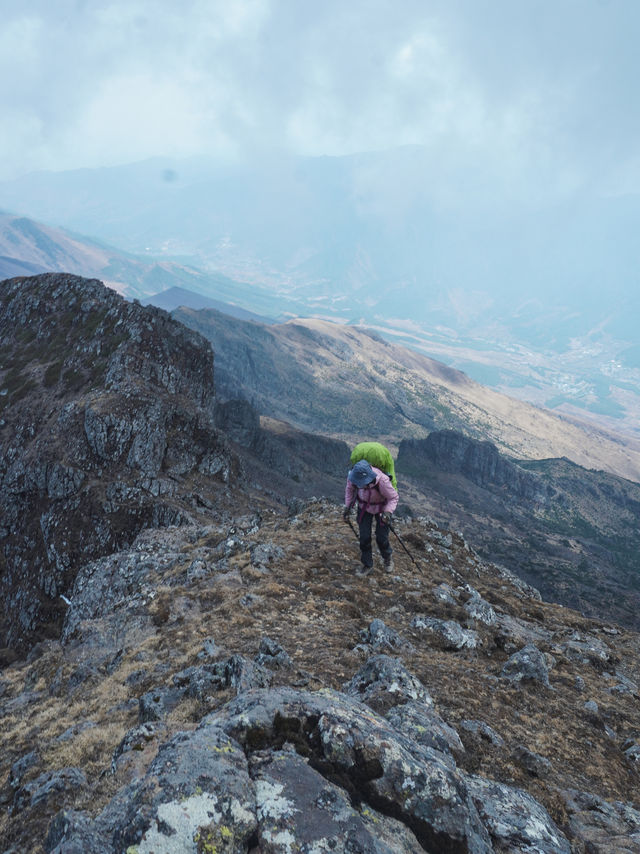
(380, 497)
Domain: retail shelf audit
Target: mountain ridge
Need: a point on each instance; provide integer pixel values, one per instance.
(398, 393)
(222, 678)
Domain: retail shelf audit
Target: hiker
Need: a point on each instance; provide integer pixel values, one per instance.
(376, 498)
(378, 456)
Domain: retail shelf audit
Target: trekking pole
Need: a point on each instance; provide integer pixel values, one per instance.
(402, 544)
(350, 524)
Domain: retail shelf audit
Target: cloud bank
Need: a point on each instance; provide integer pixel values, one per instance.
(508, 101)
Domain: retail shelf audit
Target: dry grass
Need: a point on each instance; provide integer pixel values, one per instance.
(315, 606)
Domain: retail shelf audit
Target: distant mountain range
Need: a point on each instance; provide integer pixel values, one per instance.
(538, 302)
(28, 247)
(344, 381)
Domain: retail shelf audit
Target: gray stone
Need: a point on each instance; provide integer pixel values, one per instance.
(606, 827)
(265, 554)
(633, 754)
(196, 790)
(202, 681)
(75, 730)
(445, 593)
(481, 731)
(448, 634)
(156, 705)
(384, 682)
(350, 743)
(20, 767)
(517, 823)
(424, 725)
(527, 665)
(382, 638)
(136, 739)
(479, 610)
(587, 650)
(272, 655)
(72, 832)
(533, 763)
(299, 810)
(48, 787)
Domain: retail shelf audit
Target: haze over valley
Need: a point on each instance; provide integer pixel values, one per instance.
(237, 239)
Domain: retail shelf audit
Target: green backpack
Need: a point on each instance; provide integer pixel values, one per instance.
(376, 455)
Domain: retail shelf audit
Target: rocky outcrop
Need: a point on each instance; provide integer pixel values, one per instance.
(222, 687)
(480, 462)
(106, 409)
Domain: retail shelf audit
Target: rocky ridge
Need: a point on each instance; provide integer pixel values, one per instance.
(105, 409)
(237, 687)
(109, 424)
(334, 378)
(220, 679)
(571, 532)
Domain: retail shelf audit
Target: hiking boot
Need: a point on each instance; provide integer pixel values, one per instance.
(388, 565)
(364, 570)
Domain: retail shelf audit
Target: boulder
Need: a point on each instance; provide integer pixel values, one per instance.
(527, 666)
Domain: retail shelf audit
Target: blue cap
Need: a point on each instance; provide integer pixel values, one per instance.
(361, 474)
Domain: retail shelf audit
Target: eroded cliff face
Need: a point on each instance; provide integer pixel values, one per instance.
(106, 428)
(480, 462)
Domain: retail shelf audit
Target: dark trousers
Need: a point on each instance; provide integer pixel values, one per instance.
(365, 521)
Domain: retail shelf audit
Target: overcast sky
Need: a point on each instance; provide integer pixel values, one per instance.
(522, 98)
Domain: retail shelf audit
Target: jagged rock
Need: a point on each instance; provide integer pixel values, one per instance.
(632, 752)
(587, 650)
(73, 832)
(136, 739)
(481, 462)
(381, 637)
(124, 396)
(533, 763)
(203, 680)
(209, 649)
(517, 823)
(482, 732)
(425, 726)
(379, 764)
(527, 665)
(244, 675)
(198, 569)
(447, 633)
(272, 655)
(625, 686)
(479, 610)
(264, 555)
(518, 631)
(384, 682)
(156, 705)
(73, 731)
(608, 828)
(198, 790)
(48, 786)
(21, 766)
(299, 809)
(445, 593)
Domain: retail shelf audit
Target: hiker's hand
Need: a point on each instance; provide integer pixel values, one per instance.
(386, 518)
(346, 512)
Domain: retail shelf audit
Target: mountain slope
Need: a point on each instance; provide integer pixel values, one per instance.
(234, 686)
(570, 532)
(219, 678)
(108, 425)
(28, 247)
(175, 297)
(350, 383)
